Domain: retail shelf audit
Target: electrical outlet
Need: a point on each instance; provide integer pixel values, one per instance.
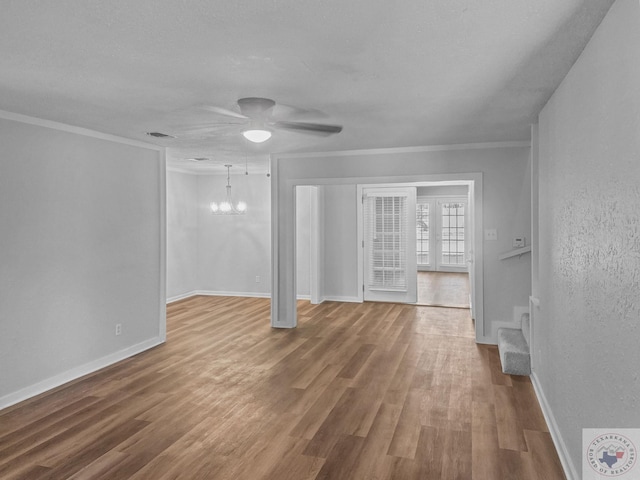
(257, 278)
(491, 234)
(118, 329)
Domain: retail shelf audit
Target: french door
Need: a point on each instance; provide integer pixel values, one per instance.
(390, 269)
(441, 238)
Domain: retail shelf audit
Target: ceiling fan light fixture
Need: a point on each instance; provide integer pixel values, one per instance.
(257, 135)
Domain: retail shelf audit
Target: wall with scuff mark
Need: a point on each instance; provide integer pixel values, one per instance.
(587, 330)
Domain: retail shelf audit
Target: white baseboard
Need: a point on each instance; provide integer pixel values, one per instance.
(212, 293)
(567, 465)
(181, 297)
(75, 373)
(304, 297)
(329, 298)
(486, 340)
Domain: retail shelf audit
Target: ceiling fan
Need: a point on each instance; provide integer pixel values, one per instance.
(259, 119)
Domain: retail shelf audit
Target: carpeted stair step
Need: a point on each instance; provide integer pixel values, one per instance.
(513, 345)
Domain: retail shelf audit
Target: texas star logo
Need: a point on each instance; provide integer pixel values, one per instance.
(611, 455)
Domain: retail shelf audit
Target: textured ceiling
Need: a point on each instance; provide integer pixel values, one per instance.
(394, 73)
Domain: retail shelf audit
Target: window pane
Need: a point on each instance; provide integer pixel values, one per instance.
(452, 233)
(422, 233)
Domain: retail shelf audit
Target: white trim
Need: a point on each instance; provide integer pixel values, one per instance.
(392, 150)
(77, 372)
(484, 340)
(316, 245)
(275, 272)
(182, 296)
(565, 459)
(17, 117)
(215, 293)
(331, 298)
(360, 238)
(162, 273)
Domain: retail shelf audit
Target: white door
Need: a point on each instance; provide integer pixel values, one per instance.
(390, 269)
(441, 234)
(451, 251)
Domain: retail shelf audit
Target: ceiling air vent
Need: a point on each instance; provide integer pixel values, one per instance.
(159, 135)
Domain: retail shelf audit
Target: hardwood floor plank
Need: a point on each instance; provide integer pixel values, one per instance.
(372, 462)
(358, 391)
(510, 431)
(485, 450)
(407, 432)
(542, 461)
(344, 458)
(355, 363)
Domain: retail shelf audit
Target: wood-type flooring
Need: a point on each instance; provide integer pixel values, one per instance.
(357, 391)
(443, 289)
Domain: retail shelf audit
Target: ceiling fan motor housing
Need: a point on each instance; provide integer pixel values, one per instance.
(255, 105)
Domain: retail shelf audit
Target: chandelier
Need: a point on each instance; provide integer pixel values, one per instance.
(227, 206)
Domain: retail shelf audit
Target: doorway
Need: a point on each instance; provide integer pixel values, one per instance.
(443, 250)
(472, 181)
(443, 289)
(442, 245)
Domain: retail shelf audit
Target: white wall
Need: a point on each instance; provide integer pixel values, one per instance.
(341, 243)
(234, 250)
(182, 235)
(303, 241)
(587, 329)
(504, 172)
(81, 249)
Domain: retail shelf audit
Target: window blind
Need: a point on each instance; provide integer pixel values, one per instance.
(386, 225)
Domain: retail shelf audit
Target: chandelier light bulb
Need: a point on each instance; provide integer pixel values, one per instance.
(227, 206)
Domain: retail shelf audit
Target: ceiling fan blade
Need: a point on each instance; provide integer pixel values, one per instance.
(281, 110)
(212, 127)
(309, 127)
(223, 111)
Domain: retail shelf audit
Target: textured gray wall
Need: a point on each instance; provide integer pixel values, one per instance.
(587, 330)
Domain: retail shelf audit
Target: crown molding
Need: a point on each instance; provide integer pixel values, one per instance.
(420, 149)
(17, 117)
